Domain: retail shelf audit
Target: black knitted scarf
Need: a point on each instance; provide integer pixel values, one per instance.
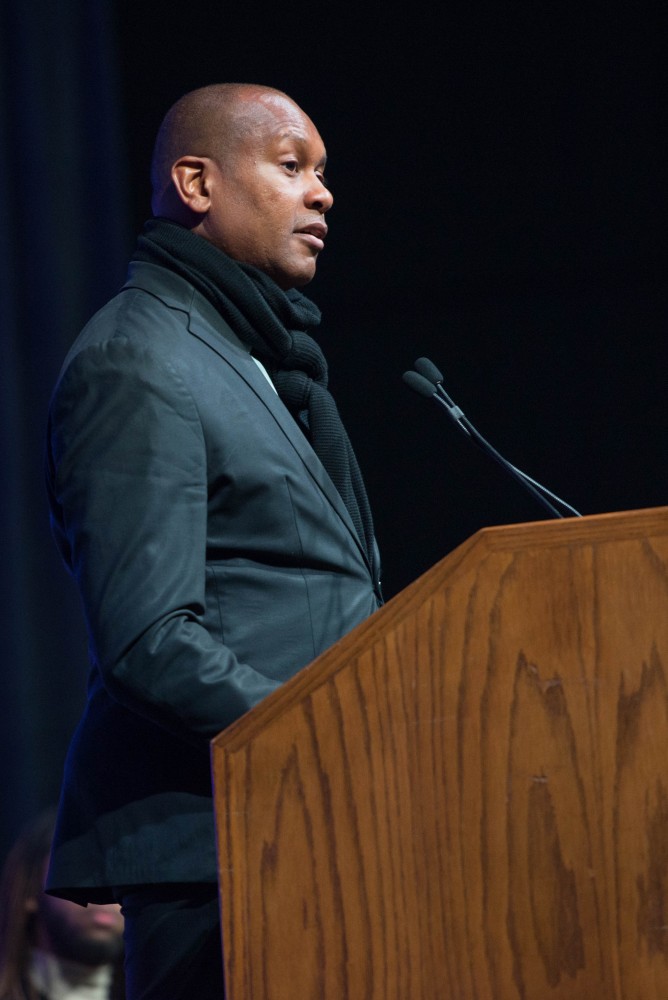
(273, 323)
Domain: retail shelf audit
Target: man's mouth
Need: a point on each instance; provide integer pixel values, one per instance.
(314, 233)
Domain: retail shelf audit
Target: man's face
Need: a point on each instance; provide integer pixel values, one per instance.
(91, 935)
(268, 199)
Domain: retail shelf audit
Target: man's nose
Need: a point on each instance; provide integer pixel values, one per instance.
(319, 196)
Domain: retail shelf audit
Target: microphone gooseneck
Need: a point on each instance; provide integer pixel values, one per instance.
(427, 381)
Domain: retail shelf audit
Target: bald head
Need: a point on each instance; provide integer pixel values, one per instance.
(212, 121)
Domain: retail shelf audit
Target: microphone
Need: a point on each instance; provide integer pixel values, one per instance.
(427, 381)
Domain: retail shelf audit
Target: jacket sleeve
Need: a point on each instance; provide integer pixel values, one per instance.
(127, 479)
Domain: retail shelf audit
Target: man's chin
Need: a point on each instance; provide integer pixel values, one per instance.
(299, 282)
(295, 277)
(93, 950)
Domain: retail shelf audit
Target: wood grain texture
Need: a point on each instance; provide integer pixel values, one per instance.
(466, 798)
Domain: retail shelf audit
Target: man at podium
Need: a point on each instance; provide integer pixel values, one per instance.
(207, 500)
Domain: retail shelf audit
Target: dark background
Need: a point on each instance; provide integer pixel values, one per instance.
(498, 207)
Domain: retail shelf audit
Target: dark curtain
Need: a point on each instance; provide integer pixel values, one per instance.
(63, 244)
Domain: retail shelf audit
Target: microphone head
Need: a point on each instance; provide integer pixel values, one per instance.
(419, 384)
(428, 370)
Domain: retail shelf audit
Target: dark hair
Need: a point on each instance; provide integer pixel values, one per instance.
(22, 878)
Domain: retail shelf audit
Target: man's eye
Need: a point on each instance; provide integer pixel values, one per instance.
(292, 166)
(323, 180)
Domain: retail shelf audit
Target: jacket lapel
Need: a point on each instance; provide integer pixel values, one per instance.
(206, 323)
(221, 339)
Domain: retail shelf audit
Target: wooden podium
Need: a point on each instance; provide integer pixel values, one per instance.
(467, 797)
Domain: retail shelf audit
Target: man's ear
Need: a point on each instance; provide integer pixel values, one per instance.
(191, 177)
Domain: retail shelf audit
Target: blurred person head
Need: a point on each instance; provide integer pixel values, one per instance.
(32, 922)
